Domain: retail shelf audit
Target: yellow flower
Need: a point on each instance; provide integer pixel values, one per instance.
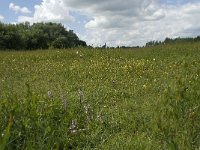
(144, 86)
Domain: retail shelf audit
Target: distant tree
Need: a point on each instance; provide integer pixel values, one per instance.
(81, 43)
(2, 33)
(173, 41)
(37, 36)
(60, 42)
(104, 46)
(11, 37)
(167, 40)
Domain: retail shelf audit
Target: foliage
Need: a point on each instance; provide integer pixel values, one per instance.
(174, 41)
(60, 42)
(37, 36)
(145, 98)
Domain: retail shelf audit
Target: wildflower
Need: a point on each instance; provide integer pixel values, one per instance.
(88, 112)
(73, 126)
(144, 86)
(87, 107)
(49, 94)
(99, 117)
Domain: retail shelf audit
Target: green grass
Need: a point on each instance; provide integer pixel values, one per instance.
(146, 98)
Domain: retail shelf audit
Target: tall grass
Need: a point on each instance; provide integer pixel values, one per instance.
(145, 98)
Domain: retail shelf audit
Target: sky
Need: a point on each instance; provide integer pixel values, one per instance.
(114, 22)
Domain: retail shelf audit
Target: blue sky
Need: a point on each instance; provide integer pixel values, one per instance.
(115, 22)
(11, 16)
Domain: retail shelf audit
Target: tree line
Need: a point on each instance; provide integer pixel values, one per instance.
(173, 41)
(37, 36)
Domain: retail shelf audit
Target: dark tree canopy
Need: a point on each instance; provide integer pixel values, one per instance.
(37, 36)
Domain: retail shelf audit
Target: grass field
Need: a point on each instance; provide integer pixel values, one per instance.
(146, 98)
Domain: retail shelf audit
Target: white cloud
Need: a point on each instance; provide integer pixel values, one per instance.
(49, 10)
(19, 9)
(52, 10)
(134, 22)
(25, 19)
(117, 22)
(1, 18)
(128, 22)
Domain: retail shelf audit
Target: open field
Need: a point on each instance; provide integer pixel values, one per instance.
(145, 98)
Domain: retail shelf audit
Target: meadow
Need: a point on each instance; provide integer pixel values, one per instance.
(147, 98)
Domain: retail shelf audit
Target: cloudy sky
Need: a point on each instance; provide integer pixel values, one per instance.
(115, 22)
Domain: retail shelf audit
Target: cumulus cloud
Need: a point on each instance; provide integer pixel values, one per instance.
(19, 9)
(25, 19)
(116, 9)
(1, 18)
(128, 22)
(52, 10)
(49, 10)
(117, 22)
(134, 22)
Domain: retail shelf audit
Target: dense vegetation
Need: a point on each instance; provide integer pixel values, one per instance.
(178, 40)
(37, 36)
(145, 98)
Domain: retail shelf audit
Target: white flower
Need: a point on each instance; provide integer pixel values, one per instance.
(73, 126)
(49, 94)
(87, 107)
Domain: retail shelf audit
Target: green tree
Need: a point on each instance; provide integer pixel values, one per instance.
(37, 36)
